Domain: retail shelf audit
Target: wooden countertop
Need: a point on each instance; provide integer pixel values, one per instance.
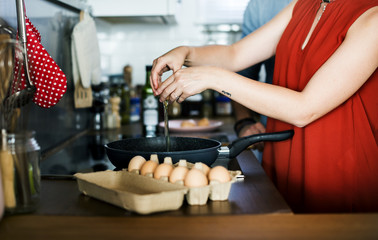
(277, 226)
(66, 214)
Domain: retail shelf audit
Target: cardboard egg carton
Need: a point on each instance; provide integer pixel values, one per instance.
(131, 191)
(215, 191)
(146, 195)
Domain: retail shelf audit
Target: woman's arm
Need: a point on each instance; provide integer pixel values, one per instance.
(337, 80)
(252, 49)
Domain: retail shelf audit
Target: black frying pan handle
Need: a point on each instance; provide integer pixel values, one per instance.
(239, 145)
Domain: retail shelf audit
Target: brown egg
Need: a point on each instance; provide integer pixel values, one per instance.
(220, 174)
(136, 163)
(203, 167)
(148, 167)
(163, 170)
(178, 174)
(195, 178)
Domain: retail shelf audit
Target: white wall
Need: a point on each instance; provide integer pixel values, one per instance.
(138, 43)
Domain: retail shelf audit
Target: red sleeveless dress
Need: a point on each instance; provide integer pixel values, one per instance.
(331, 165)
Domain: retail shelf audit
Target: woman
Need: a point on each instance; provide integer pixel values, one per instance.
(324, 87)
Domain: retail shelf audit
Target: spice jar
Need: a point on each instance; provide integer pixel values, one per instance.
(23, 171)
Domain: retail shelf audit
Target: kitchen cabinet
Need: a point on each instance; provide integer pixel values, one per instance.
(132, 8)
(78, 4)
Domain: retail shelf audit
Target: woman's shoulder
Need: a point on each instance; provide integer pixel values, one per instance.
(367, 20)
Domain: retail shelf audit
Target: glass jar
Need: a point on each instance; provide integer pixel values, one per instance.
(23, 170)
(1, 196)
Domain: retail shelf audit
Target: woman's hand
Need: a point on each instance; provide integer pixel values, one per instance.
(172, 60)
(186, 82)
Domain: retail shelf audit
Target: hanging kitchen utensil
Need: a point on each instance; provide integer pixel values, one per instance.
(11, 78)
(83, 97)
(85, 59)
(8, 47)
(50, 82)
(22, 95)
(6, 59)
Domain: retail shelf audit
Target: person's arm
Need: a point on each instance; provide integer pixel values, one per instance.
(338, 79)
(252, 49)
(247, 123)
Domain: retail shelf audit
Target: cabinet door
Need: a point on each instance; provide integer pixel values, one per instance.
(118, 8)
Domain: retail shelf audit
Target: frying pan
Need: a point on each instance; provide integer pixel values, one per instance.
(191, 149)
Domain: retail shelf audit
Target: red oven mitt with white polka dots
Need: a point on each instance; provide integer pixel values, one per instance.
(45, 74)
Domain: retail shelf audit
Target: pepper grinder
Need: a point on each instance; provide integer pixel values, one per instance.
(115, 102)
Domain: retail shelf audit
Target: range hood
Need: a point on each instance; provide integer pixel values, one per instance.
(123, 9)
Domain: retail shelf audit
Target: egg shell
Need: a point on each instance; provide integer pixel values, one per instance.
(178, 174)
(136, 163)
(163, 170)
(220, 174)
(148, 167)
(205, 169)
(195, 178)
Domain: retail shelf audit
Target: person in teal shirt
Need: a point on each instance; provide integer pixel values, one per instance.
(257, 13)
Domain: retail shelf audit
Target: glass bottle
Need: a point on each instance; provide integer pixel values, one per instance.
(125, 104)
(24, 170)
(207, 107)
(150, 108)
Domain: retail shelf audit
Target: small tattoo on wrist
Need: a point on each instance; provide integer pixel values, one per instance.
(226, 93)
